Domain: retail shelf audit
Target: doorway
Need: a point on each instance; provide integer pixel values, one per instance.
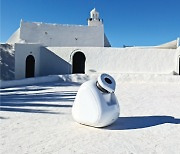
(30, 66)
(78, 63)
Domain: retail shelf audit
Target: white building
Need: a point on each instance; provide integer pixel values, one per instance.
(45, 49)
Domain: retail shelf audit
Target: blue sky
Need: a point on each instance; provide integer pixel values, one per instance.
(126, 22)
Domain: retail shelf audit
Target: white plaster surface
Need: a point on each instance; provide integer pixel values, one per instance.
(62, 35)
(124, 60)
(21, 53)
(51, 63)
(15, 37)
(37, 119)
(58, 60)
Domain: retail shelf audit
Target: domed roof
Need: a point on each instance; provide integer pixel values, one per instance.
(93, 10)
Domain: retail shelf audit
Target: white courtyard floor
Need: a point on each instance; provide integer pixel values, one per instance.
(37, 119)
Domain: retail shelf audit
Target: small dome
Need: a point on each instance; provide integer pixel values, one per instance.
(93, 10)
(94, 14)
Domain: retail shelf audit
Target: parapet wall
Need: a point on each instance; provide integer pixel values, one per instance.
(59, 60)
(124, 60)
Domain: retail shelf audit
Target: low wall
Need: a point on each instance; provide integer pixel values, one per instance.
(124, 60)
(59, 60)
(78, 78)
(81, 78)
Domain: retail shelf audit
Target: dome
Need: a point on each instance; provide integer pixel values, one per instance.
(93, 10)
(94, 14)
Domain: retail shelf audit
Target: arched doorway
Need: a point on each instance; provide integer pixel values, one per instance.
(30, 66)
(78, 63)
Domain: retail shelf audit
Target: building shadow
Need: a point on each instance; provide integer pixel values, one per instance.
(35, 102)
(2, 118)
(54, 67)
(27, 110)
(20, 89)
(127, 123)
(7, 62)
(37, 97)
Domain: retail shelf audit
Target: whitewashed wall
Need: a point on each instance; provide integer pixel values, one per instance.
(52, 63)
(62, 35)
(178, 60)
(58, 60)
(124, 60)
(21, 53)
